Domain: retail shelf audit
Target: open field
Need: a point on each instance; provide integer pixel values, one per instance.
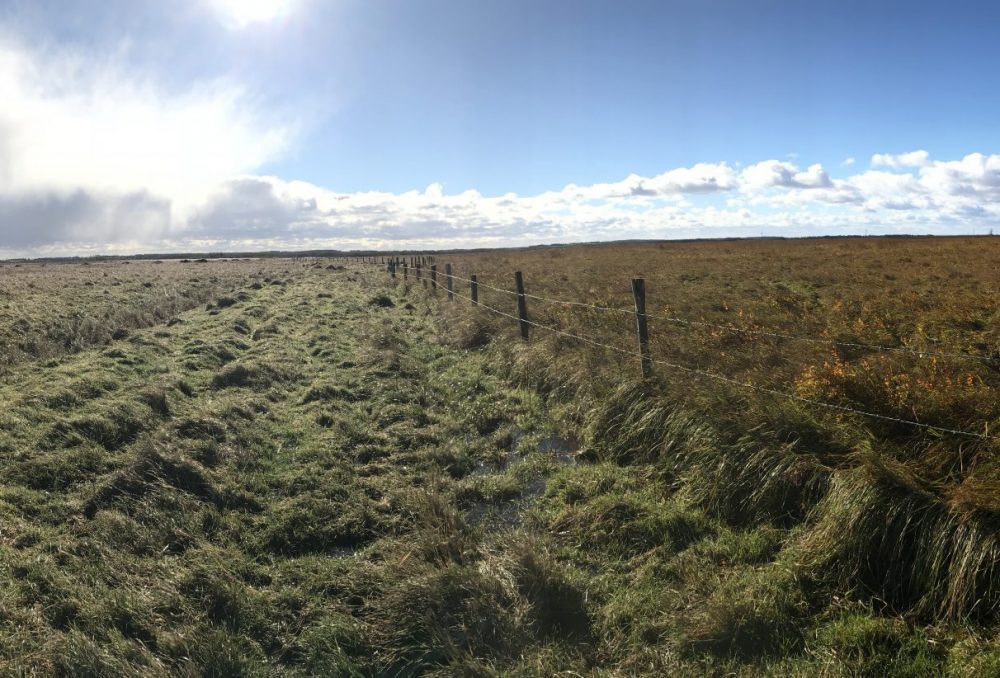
(304, 467)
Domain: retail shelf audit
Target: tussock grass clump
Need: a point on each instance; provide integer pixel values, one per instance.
(112, 429)
(156, 399)
(879, 536)
(330, 393)
(749, 479)
(267, 330)
(204, 354)
(558, 605)
(637, 423)
(629, 524)
(444, 616)
(202, 429)
(440, 532)
(381, 301)
(468, 332)
(759, 612)
(257, 376)
(58, 470)
(753, 480)
(304, 525)
(152, 465)
(870, 645)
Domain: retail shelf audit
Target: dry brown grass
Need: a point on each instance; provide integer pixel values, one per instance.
(924, 499)
(916, 294)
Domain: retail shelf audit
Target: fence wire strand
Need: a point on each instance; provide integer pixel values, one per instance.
(743, 384)
(720, 377)
(738, 330)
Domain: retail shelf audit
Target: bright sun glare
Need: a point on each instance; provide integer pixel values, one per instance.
(242, 13)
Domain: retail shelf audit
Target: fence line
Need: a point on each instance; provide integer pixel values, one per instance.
(747, 385)
(738, 330)
(646, 359)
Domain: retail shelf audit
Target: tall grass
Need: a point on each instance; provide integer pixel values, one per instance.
(894, 514)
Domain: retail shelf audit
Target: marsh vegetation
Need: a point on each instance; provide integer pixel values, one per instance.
(306, 468)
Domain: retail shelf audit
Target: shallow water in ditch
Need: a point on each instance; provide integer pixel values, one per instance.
(508, 515)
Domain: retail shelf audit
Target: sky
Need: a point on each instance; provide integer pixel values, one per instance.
(193, 125)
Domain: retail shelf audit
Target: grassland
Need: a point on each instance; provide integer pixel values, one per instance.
(303, 467)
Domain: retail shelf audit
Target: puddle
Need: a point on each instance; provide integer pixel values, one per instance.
(495, 517)
(563, 450)
(485, 468)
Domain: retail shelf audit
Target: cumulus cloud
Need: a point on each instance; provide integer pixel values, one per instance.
(911, 159)
(96, 158)
(975, 176)
(253, 211)
(700, 178)
(782, 174)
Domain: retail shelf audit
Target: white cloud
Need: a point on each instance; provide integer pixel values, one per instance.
(96, 158)
(911, 159)
(848, 162)
(72, 122)
(781, 174)
(976, 176)
(239, 14)
(700, 178)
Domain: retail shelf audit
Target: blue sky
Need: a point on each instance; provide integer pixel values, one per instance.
(392, 123)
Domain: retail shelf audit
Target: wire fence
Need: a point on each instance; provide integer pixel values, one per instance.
(742, 330)
(392, 266)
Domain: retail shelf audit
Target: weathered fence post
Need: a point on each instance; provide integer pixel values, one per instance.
(419, 278)
(451, 289)
(434, 278)
(474, 289)
(522, 304)
(639, 292)
(406, 271)
(392, 269)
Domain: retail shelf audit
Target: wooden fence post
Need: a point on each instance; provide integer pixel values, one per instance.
(392, 269)
(451, 289)
(434, 278)
(639, 292)
(474, 289)
(522, 305)
(406, 271)
(419, 271)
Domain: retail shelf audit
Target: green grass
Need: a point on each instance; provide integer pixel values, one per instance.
(306, 470)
